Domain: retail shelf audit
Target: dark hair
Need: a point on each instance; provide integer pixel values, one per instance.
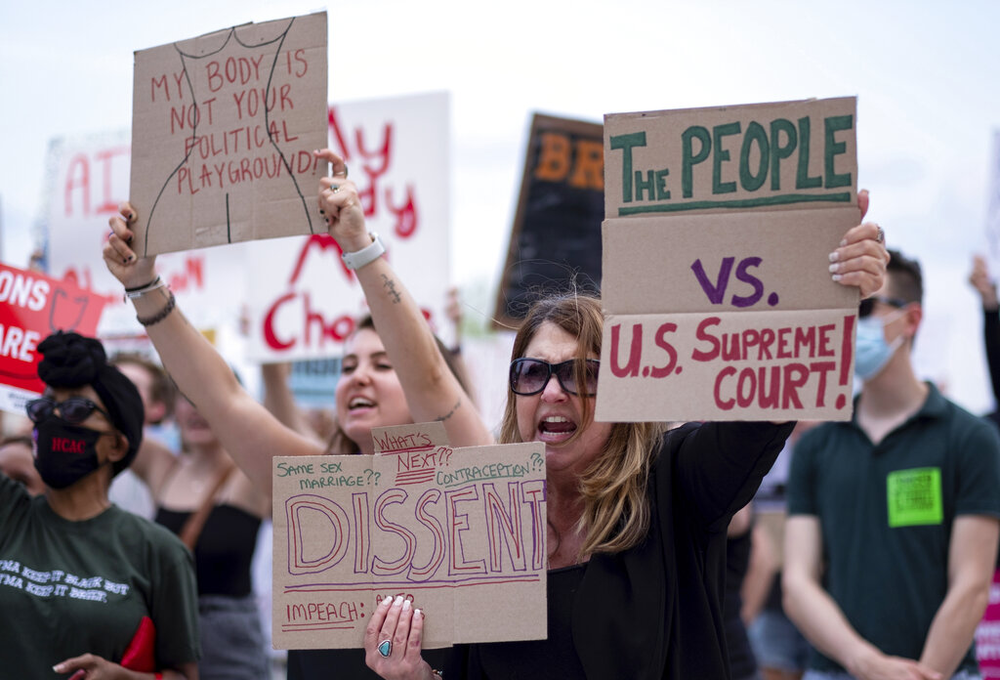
(162, 389)
(907, 279)
(71, 360)
(339, 441)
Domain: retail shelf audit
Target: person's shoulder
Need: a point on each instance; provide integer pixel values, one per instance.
(159, 538)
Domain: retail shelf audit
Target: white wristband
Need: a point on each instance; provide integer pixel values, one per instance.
(366, 255)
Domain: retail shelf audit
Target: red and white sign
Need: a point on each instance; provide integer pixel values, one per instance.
(32, 307)
(303, 301)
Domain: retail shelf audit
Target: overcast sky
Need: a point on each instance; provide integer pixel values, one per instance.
(925, 73)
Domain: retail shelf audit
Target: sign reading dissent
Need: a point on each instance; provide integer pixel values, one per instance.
(456, 531)
(223, 130)
(719, 225)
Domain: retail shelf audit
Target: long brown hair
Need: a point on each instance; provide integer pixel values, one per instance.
(616, 508)
(340, 442)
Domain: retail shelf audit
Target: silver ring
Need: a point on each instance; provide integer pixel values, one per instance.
(880, 237)
(385, 648)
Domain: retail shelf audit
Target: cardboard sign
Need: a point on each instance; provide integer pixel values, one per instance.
(397, 152)
(460, 532)
(718, 298)
(32, 307)
(762, 156)
(223, 130)
(87, 178)
(556, 236)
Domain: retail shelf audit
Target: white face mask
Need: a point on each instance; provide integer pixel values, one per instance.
(872, 352)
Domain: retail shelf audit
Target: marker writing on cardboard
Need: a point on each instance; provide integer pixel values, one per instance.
(760, 154)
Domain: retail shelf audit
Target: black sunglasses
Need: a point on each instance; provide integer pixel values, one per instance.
(73, 410)
(530, 376)
(868, 304)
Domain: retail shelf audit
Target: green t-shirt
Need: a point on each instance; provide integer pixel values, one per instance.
(886, 514)
(69, 588)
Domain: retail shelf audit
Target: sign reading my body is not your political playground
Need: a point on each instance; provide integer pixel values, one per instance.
(719, 226)
(223, 130)
(460, 532)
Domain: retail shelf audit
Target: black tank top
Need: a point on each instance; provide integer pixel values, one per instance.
(224, 550)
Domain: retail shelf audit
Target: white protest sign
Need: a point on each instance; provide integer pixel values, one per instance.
(303, 301)
(88, 176)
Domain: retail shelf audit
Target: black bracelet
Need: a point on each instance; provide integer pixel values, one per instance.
(160, 315)
(132, 290)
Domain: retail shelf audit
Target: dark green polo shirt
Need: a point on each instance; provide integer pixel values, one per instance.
(886, 513)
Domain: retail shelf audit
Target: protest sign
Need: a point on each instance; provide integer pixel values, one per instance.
(87, 178)
(460, 532)
(556, 236)
(716, 286)
(988, 634)
(223, 130)
(303, 302)
(32, 307)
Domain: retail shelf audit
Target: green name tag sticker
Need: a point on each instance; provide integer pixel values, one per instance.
(914, 497)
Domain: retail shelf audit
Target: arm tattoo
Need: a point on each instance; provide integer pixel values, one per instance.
(450, 413)
(390, 287)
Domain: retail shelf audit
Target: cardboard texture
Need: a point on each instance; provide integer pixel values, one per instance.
(461, 532)
(223, 129)
(718, 299)
(770, 156)
(32, 307)
(727, 366)
(556, 233)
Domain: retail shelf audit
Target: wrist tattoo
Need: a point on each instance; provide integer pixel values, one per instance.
(450, 413)
(390, 287)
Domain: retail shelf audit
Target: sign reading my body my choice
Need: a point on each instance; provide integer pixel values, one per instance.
(719, 225)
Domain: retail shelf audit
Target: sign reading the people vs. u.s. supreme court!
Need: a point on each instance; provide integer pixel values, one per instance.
(459, 532)
(719, 226)
(397, 152)
(223, 130)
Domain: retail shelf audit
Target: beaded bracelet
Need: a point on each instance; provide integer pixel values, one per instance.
(160, 315)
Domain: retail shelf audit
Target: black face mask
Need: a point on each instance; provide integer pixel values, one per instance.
(66, 453)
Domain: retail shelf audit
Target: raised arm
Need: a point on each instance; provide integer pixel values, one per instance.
(245, 428)
(432, 392)
(987, 289)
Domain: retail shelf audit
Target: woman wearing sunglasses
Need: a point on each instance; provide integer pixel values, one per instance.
(380, 368)
(634, 542)
(86, 589)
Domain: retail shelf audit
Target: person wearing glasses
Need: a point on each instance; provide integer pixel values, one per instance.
(88, 590)
(894, 517)
(637, 549)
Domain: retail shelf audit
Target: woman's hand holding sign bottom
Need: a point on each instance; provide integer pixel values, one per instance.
(393, 640)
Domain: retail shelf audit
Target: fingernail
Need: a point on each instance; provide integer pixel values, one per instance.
(835, 267)
(843, 242)
(418, 612)
(58, 668)
(321, 212)
(124, 260)
(398, 601)
(834, 256)
(386, 601)
(837, 277)
(131, 257)
(406, 605)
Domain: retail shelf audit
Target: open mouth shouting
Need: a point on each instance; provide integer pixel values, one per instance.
(555, 429)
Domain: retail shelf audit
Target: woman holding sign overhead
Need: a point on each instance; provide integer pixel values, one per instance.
(637, 516)
(379, 369)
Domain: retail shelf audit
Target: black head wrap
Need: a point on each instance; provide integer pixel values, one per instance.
(72, 360)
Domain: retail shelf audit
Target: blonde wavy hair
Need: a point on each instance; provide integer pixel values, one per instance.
(616, 507)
